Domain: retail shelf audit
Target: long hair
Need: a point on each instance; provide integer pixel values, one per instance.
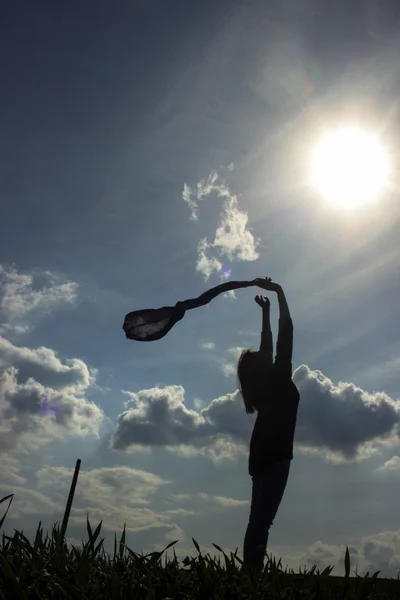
(246, 379)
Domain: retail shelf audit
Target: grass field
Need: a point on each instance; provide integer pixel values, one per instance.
(47, 567)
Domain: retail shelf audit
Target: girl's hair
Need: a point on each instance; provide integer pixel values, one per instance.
(246, 379)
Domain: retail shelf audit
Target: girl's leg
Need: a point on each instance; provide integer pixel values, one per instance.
(267, 493)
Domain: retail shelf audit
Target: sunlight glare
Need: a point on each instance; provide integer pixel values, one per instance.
(349, 167)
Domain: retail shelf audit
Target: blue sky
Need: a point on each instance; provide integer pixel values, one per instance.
(148, 150)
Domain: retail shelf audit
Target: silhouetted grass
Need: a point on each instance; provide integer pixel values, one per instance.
(49, 568)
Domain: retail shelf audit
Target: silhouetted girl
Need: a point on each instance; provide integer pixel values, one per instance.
(267, 387)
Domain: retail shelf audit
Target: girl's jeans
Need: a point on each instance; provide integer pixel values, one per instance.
(267, 493)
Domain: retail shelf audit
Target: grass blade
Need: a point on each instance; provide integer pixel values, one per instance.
(88, 527)
(347, 563)
(10, 496)
(122, 544)
(11, 579)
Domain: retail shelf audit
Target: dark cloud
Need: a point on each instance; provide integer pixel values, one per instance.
(226, 415)
(159, 417)
(381, 553)
(339, 419)
(43, 365)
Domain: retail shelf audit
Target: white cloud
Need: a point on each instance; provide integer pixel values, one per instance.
(232, 236)
(24, 297)
(230, 294)
(236, 351)
(233, 239)
(228, 369)
(180, 512)
(224, 501)
(187, 196)
(208, 345)
(230, 502)
(206, 265)
(200, 498)
(205, 187)
(393, 465)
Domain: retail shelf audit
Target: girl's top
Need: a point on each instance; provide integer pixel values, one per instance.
(273, 433)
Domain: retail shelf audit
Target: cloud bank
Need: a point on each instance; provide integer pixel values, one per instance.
(159, 417)
(343, 422)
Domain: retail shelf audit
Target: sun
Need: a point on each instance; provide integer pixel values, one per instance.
(350, 167)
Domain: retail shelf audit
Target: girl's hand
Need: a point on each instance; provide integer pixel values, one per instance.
(262, 301)
(267, 284)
